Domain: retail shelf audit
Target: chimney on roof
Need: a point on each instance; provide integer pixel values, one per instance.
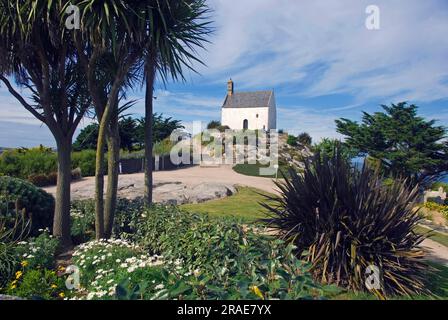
(230, 87)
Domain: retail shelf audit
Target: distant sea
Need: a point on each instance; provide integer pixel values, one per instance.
(358, 162)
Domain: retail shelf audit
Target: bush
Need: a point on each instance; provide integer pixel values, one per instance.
(433, 206)
(40, 180)
(38, 204)
(38, 252)
(85, 161)
(37, 284)
(44, 180)
(305, 139)
(437, 185)
(349, 220)
(22, 163)
(292, 141)
(9, 236)
(222, 259)
(214, 124)
(170, 254)
(125, 223)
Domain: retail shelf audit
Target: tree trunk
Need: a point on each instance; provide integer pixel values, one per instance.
(150, 78)
(61, 223)
(99, 174)
(113, 142)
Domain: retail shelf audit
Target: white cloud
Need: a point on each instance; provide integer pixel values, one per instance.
(183, 105)
(267, 43)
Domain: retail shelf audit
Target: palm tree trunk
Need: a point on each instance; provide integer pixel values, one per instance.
(113, 142)
(61, 222)
(99, 173)
(149, 110)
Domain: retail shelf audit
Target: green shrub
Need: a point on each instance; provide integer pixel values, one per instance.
(163, 147)
(213, 124)
(437, 185)
(85, 160)
(38, 204)
(9, 236)
(348, 220)
(434, 206)
(126, 220)
(305, 139)
(106, 264)
(51, 179)
(125, 155)
(22, 163)
(292, 140)
(37, 284)
(82, 221)
(222, 259)
(38, 252)
(40, 180)
(8, 263)
(190, 257)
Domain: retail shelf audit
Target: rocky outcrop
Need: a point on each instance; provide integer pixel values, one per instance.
(175, 193)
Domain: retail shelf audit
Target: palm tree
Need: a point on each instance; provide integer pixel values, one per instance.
(109, 50)
(175, 29)
(36, 53)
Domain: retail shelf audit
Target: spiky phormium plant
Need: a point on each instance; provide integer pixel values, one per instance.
(343, 220)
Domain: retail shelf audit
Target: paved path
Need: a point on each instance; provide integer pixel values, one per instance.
(436, 251)
(191, 176)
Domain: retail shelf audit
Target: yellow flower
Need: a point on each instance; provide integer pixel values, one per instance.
(62, 295)
(53, 286)
(257, 291)
(24, 263)
(13, 286)
(61, 268)
(19, 274)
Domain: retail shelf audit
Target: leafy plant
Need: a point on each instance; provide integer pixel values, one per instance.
(20, 194)
(217, 259)
(9, 236)
(346, 220)
(437, 207)
(305, 139)
(292, 140)
(214, 124)
(85, 160)
(23, 163)
(37, 284)
(437, 185)
(327, 146)
(39, 252)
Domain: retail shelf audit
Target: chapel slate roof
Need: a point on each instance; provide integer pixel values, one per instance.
(257, 99)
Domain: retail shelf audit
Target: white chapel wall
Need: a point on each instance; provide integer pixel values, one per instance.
(234, 118)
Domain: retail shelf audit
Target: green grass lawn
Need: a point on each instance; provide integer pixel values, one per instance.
(254, 170)
(244, 205)
(434, 235)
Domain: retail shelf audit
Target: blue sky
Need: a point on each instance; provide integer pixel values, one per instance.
(317, 55)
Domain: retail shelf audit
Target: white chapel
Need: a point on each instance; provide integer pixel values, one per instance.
(249, 110)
